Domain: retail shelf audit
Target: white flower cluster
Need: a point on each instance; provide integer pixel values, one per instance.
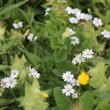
(11, 81)
(86, 54)
(78, 15)
(70, 10)
(105, 34)
(68, 89)
(33, 73)
(18, 25)
(74, 40)
(31, 37)
(47, 10)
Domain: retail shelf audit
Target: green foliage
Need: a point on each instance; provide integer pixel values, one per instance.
(51, 54)
(62, 102)
(6, 102)
(103, 105)
(87, 101)
(32, 99)
(90, 37)
(35, 60)
(18, 63)
(11, 7)
(98, 75)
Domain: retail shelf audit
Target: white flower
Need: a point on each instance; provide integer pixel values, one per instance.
(18, 25)
(106, 34)
(73, 20)
(78, 59)
(87, 17)
(97, 22)
(68, 90)
(31, 37)
(68, 10)
(77, 83)
(35, 38)
(34, 73)
(74, 61)
(67, 76)
(4, 82)
(75, 95)
(88, 54)
(47, 10)
(75, 11)
(8, 82)
(15, 26)
(80, 16)
(14, 73)
(74, 40)
(70, 31)
(73, 82)
(12, 82)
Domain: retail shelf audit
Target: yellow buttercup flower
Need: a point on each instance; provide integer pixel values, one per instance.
(83, 78)
(44, 95)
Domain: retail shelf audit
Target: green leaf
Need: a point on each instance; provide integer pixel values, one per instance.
(64, 66)
(87, 101)
(87, 43)
(103, 105)
(100, 47)
(2, 31)
(99, 59)
(32, 99)
(11, 7)
(35, 60)
(97, 75)
(60, 55)
(4, 102)
(62, 102)
(89, 35)
(18, 63)
(2, 67)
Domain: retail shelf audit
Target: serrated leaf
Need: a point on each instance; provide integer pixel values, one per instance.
(32, 99)
(18, 62)
(97, 75)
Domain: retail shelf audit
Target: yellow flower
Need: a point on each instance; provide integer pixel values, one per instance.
(83, 78)
(44, 95)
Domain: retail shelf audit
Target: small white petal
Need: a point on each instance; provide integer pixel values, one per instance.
(97, 22)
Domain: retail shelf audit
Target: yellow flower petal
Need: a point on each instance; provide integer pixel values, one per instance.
(44, 95)
(83, 78)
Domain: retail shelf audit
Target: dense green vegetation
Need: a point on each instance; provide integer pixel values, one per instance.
(54, 54)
